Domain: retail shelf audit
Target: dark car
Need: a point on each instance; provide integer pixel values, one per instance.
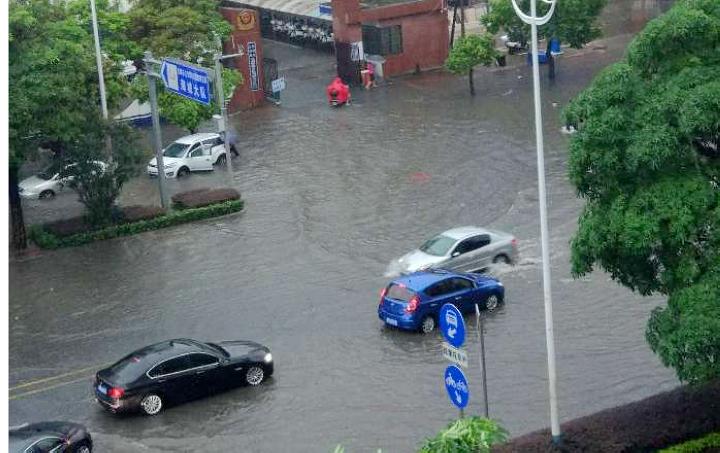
(179, 370)
(55, 437)
(412, 302)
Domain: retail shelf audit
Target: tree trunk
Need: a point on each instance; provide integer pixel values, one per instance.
(452, 31)
(472, 83)
(462, 18)
(19, 237)
(551, 61)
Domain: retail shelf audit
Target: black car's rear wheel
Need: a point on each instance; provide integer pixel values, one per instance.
(151, 404)
(254, 375)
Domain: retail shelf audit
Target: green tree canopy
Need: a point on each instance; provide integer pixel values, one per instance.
(184, 29)
(646, 161)
(53, 87)
(470, 51)
(574, 22)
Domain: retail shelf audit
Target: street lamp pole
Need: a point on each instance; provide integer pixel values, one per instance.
(533, 20)
(98, 60)
(219, 90)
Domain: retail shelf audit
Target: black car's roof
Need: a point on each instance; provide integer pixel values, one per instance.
(23, 436)
(170, 348)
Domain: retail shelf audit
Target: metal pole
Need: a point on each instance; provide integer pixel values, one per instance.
(98, 60)
(462, 413)
(547, 293)
(156, 130)
(221, 102)
(481, 334)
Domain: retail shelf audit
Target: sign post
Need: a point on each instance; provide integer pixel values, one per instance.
(452, 326)
(481, 335)
(157, 142)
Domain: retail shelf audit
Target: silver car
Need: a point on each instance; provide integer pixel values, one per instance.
(464, 249)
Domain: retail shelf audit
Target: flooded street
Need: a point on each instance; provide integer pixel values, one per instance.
(332, 196)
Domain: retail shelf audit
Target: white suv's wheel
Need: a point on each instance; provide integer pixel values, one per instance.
(151, 404)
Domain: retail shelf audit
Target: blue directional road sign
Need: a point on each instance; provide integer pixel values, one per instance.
(452, 325)
(457, 386)
(186, 80)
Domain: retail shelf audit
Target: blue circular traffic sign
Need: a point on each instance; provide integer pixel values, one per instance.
(457, 386)
(452, 325)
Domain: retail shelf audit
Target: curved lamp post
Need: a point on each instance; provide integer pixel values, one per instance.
(533, 20)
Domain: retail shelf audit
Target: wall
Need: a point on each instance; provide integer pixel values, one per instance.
(246, 29)
(424, 31)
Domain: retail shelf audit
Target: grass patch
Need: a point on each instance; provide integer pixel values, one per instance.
(47, 240)
(709, 443)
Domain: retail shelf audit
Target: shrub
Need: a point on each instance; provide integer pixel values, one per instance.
(48, 240)
(136, 213)
(203, 197)
(470, 434)
(709, 443)
(67, 227)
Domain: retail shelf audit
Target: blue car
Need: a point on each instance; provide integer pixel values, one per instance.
(412, 302)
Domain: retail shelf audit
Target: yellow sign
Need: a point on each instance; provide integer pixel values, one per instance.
(245, 20)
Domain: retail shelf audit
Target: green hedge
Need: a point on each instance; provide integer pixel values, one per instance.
(48, 240)
(711, 442)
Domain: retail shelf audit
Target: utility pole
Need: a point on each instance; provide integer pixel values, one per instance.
(533, 20)
(101, 76)
(151, 76)
(220, 92)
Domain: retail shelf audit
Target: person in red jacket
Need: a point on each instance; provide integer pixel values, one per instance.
(338, 93)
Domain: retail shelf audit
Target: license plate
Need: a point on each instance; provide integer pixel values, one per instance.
(392, 322)
(102, 389)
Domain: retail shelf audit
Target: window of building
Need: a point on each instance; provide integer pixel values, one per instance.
(382, 40)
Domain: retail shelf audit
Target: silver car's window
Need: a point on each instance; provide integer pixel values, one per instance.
(438, 246)
(473, 243)
(175, 150)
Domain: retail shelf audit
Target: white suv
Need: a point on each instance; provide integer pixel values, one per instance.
(197, 152)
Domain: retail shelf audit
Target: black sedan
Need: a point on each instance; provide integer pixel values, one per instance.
(179, 370)
(55, 437)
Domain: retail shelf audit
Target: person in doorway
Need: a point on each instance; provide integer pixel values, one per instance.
(371, 75)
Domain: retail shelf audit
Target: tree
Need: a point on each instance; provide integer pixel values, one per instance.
(646, 161)
(184, 29)
(469, 52)
(53, 84)
(573, 22)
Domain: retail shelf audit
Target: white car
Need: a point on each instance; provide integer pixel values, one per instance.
(197, 152)
(48, 183)
(463, 249)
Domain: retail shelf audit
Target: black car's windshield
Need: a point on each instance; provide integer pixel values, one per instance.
(175, 150)
(128, 369)
(438, 246)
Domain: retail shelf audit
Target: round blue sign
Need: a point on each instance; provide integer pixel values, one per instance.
(452, 325)
(457, 386)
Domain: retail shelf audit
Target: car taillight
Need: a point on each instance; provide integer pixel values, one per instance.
(382, 295)
(413, 304)
(116, 393)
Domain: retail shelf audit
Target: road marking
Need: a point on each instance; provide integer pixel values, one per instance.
(59, 376)
(49, 387)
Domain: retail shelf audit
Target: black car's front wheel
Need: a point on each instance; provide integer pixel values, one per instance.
(254, 375)
(151, 404)
(82, 447)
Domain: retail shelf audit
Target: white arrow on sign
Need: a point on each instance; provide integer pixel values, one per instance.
(458, 397)
(169, 75)
(451, 332)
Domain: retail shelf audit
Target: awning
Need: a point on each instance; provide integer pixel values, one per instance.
(307, 8)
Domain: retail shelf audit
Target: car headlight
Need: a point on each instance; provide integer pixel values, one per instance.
(268, 358)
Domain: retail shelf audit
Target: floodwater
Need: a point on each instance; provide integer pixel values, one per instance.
(332, 196)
